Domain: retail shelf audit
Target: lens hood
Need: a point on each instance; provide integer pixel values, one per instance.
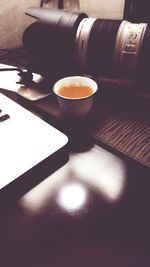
(51, 41)
(56, 17)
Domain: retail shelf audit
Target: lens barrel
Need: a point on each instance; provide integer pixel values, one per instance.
(100, 49)
(65, 43)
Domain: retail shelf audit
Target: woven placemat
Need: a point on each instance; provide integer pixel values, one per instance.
(122, 128)
(125, 132)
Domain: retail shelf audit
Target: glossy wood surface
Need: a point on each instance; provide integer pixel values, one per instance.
(93, 211)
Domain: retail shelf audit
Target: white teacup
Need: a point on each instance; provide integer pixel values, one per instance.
(75, 95)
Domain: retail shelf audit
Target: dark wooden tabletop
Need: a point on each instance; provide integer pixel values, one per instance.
(93, 211)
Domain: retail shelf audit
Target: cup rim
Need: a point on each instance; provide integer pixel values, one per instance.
(94, 86)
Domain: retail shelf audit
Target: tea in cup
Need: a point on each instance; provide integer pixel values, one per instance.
(75, 95)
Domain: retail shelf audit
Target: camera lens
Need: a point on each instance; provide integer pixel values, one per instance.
(66, 43)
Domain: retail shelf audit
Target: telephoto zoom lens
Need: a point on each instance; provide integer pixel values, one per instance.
(65, 43)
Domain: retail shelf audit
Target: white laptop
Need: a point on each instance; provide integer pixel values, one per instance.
(26, 142)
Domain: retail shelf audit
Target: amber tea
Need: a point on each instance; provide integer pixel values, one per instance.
(75, 90)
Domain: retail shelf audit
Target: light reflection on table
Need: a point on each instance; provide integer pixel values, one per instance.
(70, 186)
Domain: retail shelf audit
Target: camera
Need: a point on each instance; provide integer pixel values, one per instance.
(64, 43)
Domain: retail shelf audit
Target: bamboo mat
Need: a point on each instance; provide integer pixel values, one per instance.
(121, 128)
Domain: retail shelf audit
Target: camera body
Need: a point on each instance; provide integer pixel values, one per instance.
(65, 43)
